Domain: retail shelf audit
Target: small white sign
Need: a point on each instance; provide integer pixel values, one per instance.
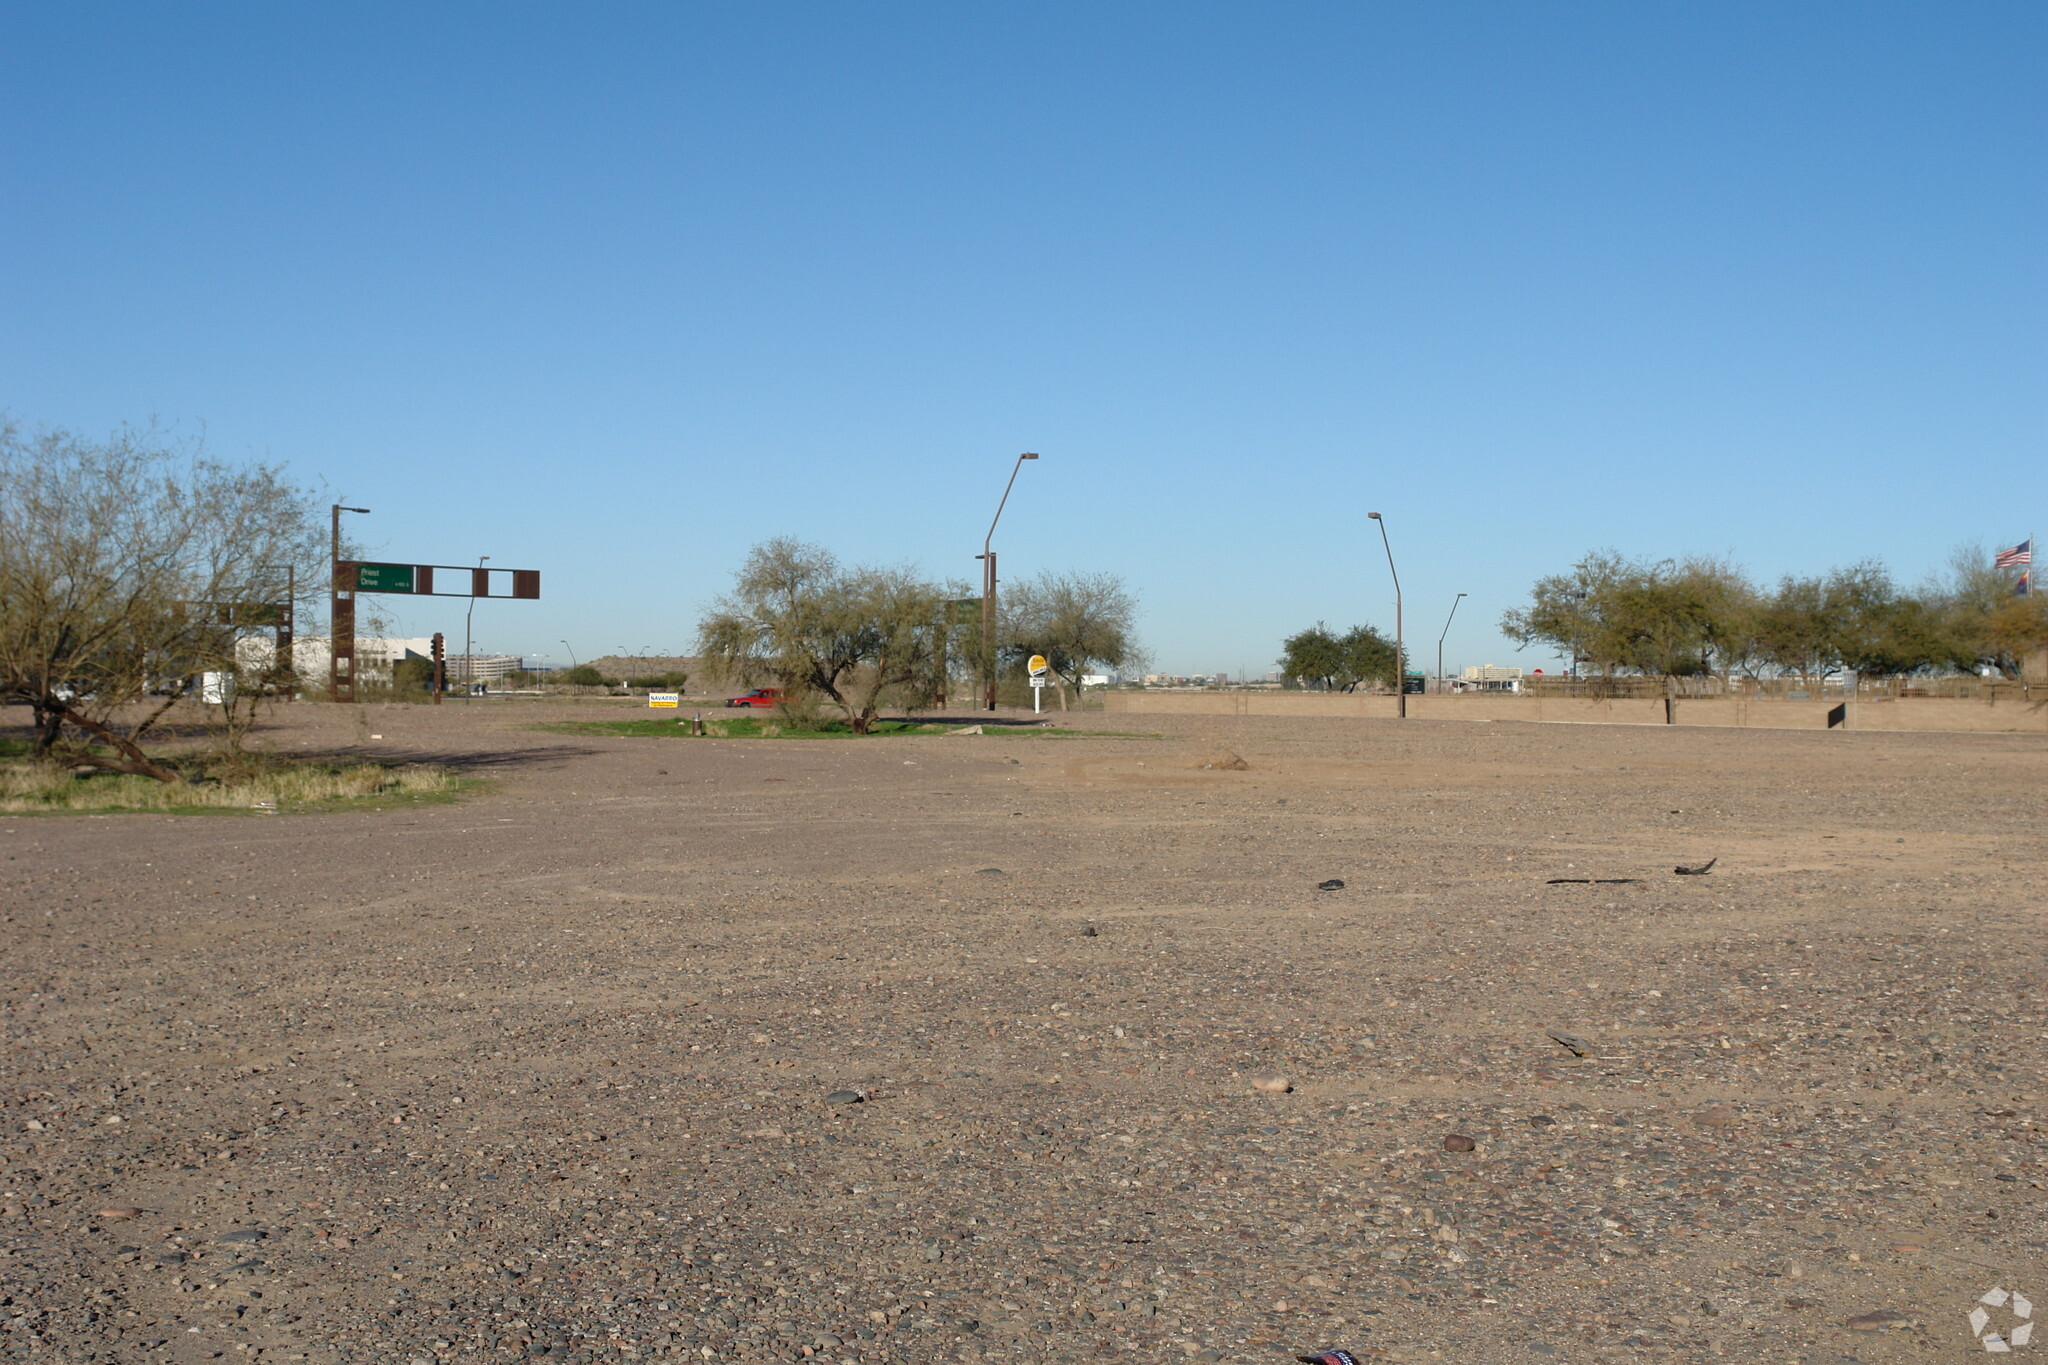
(1038, 680)
(670, 700)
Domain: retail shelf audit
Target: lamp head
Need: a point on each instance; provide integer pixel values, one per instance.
(356, 509)
(1374, 515)
(1028, 455)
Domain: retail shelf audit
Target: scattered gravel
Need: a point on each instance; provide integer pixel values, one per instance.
(747, 1060)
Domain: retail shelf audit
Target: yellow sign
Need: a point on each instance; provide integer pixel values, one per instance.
(1039, 664)
(670, 700)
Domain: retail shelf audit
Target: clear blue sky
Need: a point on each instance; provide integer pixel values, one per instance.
(617, 291)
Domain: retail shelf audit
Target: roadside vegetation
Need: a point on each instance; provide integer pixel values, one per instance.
(752, 727)
(31, 786)
(845, 644)
(130, 569)
(1694, 617)
(1324, 661)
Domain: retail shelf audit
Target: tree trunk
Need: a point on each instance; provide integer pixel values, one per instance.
(136, 761)
(49, 724)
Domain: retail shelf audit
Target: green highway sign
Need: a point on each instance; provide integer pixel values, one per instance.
(384, 577)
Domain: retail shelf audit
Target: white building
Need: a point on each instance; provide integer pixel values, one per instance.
(374, 655)
(1489, 678)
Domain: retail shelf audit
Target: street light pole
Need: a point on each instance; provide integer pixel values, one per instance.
(1400, 656)
(341, 615)
(469, 659)
(988, 589)
(1440, 641)
(572, 653)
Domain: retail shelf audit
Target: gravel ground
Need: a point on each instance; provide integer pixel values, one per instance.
(944, 1049)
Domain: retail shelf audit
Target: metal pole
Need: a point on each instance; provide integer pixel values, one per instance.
(334, 606)
(988, 588)
(468, 659)
(1400, 657)
(1440, 640)
(341, 615)
(572, 653)
(288, 630)
(988, 629)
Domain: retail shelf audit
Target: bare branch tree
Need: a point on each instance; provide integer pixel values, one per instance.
(122, 565)
(1076, 620)
(858, 637)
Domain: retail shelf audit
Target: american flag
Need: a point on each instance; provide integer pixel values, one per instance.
(2022, 553)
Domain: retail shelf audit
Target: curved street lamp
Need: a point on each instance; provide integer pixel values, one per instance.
(988, 589)
(1400, 657)
(1440, 640)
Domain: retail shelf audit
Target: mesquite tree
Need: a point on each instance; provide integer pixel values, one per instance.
(123, 564)
(1078, 621)
(859, 638)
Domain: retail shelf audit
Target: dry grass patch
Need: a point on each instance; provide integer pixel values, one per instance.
(28, 788)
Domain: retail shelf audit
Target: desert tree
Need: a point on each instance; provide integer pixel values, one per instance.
(1338, 663)
(1574, 613)
(1878, 630)
(1078, 621)
(2018, 628)
(858, 638)
(1793, 631)
(1312, 657)
(1661, 618)
(1978, 608)
(122, 564)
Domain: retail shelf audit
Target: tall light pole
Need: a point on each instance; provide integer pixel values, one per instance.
(988, 589)
(341, 616)
(1440, 639)
(1400, 658)
(572, 653)
(469, 659)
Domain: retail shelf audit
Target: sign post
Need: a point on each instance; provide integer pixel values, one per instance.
(1039, 665)
(417, 580)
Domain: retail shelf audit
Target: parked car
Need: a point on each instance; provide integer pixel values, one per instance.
(760, 696)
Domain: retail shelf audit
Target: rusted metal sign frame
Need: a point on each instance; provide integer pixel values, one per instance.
(525, 582)
(341, 639)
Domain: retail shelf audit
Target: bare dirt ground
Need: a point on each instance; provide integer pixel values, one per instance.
(551, 1072)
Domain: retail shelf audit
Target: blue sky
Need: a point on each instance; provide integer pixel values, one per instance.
(617, 291)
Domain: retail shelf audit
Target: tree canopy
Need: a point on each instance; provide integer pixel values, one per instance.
(1078, 621)
(1695, 616)
(1333, 663)
(858, 638)
(124, 564)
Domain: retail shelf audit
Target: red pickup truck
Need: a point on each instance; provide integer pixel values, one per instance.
(760, 696)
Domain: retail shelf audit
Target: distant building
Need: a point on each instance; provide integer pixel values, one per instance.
(375, 656)
(1489, 678)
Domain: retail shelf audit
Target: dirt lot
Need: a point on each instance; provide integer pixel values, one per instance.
(549, 1072)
